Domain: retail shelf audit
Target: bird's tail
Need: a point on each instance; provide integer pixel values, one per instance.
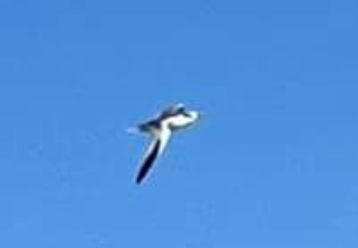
(140, 128)
(133, 130)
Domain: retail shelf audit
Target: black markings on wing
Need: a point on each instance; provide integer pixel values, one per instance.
(172, 111)
(148, 162)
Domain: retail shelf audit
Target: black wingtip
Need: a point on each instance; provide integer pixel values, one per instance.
(139, 179)
(148, 163)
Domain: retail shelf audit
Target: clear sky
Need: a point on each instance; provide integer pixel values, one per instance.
(274, 162)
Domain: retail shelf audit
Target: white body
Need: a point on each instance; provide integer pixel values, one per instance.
(161, 128)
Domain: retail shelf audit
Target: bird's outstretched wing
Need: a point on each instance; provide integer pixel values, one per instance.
(155, 149)
(171, 110)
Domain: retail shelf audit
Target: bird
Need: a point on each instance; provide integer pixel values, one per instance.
(160, 129)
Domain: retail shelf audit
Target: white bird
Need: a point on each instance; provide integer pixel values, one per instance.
(160, 129)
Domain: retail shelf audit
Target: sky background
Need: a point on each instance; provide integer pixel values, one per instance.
(274, 162)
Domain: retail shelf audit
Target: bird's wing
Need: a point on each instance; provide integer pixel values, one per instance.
(155, 149)
(171, 110)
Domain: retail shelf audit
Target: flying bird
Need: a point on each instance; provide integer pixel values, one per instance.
(160, 129)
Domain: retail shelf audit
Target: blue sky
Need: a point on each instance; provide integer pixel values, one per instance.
(274, 163)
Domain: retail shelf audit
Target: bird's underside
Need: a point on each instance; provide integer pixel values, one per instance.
(160, 129)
